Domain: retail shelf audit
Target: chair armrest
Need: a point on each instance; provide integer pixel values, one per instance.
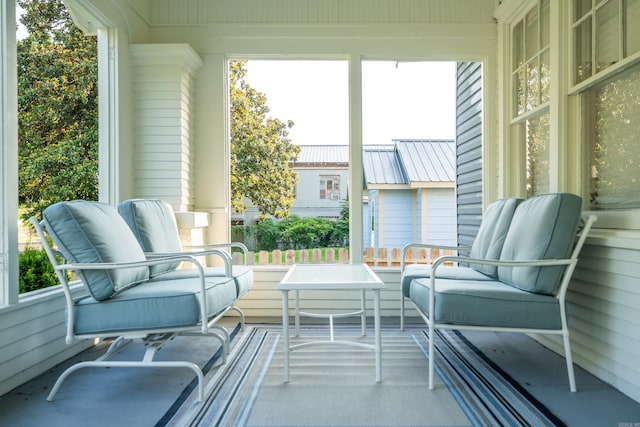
(226, 258)
(239, 245)
(159, 259)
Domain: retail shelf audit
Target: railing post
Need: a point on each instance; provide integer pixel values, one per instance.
(290, 257)
(329, 256)
(276, 257)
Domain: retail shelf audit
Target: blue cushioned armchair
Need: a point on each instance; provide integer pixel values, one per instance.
(527, 279)
(122, 299)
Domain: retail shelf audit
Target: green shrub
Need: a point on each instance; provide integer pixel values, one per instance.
(36, 271)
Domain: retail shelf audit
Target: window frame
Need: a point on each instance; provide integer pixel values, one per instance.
(583, 114)
(520, 118)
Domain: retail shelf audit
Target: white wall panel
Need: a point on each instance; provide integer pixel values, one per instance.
(163, 92)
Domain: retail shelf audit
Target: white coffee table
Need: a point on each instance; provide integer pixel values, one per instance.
(331, 277)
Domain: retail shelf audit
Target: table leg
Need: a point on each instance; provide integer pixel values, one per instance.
(285, 333)
(363, 315)
(297, 312)
(378, 334)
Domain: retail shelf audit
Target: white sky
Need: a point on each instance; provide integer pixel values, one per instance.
(405, 100)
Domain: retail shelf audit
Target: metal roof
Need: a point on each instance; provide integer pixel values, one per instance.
(411, 162)
(323, 155)
(427, 160)
(381, 166)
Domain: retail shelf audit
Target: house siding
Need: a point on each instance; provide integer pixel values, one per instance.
(604, 315)
(469, 150)
(163, 88)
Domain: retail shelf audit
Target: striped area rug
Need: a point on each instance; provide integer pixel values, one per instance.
(335, 385)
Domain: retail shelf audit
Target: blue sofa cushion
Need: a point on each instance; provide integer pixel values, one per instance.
(492, 233)
(543, 227)
(154, 225)
(151, 305)
(487, 303)
(419, 271)
(94, 232)
(242, 276)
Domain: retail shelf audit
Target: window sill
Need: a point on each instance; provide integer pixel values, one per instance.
(618, 220)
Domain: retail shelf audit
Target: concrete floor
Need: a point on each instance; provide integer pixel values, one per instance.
(139, 397)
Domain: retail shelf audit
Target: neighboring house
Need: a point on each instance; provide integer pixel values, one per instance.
(409, 190)
(323, 177)
(411, 193)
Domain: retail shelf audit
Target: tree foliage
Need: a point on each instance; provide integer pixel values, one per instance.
(261, 153)
(57, 108)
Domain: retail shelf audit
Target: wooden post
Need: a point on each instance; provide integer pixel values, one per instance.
(290, 257)
(343, 255)
(396, 254)
(276, 257)
(263, 258)
(252, 258)
(329, 256)
(316, 256)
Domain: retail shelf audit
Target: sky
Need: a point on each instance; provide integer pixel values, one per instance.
(406, 100)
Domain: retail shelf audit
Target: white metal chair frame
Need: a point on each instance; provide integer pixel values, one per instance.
(570, 264)
(403, 257)
(153, 339)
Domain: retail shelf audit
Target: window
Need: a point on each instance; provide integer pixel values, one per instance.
(615, 145)
(330, 187)
(606, 45)
(605, 32)
(530, 77)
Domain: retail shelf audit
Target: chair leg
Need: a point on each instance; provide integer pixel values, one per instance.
(569, 359)
(241, 314)
(432, 354)
(146, 362)
(401, 311)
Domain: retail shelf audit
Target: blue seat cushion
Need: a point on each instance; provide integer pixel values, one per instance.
(94, 232)
(420, 271)
(154, 225)
(487, 303)
(543, 227)
(161, 304)
(492, 233)
(242, 276)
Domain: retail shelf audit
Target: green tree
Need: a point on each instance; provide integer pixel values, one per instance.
(57, 108)
(261, 153)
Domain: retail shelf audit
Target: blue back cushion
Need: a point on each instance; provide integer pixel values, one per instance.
(493, 230)
(154, 225)
(94, 232)
(543, 227)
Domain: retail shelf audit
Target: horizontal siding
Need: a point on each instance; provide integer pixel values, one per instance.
(32, 337)
(163, 87)
(604, 313)
(184, 12)
(469, 150)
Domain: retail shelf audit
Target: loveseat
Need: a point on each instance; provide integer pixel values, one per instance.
(516, 276)
(123, 300)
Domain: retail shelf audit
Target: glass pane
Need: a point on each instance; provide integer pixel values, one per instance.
(517, 51)
(519, 89)
(631, 27)
(581, 8)
(583, 51)
(615, 170)
(533, 85)
(537, 143)
(531, 34)
(544, 24)
(545, 76)
(607, 36)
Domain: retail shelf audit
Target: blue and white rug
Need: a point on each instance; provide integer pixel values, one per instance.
(335, 386)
